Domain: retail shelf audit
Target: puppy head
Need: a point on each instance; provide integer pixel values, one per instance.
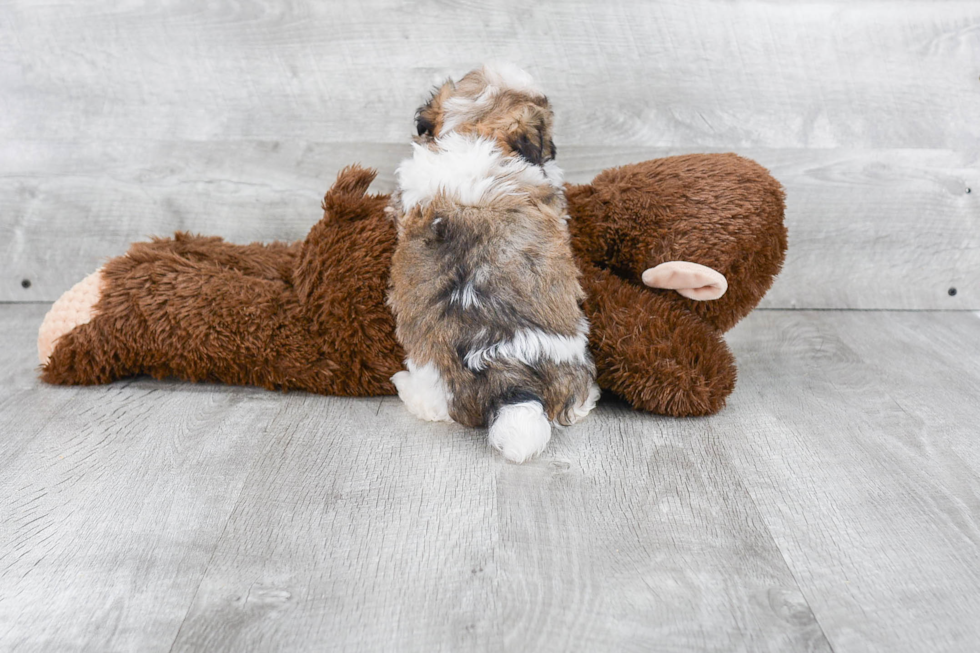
(500, 103)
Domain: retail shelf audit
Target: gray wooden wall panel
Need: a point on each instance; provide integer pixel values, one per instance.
(701, 74)
(920, 235)
(123, 119)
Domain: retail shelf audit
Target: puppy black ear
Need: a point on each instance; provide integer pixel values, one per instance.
(427, 115)
(423, 124)
(528, 149)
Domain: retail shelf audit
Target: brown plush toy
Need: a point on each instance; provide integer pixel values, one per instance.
(651, 240)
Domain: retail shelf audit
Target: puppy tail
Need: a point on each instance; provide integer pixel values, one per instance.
(519, 428)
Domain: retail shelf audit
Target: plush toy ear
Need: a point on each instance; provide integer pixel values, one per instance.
(692, 280)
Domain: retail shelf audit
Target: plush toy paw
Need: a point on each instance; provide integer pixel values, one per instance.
(73, 308)
(692, 280)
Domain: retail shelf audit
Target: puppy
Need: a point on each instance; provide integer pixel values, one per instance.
(484, 289)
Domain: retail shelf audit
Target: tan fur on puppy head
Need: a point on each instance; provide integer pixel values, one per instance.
(499, 103)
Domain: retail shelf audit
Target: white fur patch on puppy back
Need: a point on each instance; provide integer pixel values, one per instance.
(470, 170)
(529, 346)
(507, 75)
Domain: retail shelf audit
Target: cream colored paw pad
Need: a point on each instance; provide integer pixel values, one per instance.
(73, 308)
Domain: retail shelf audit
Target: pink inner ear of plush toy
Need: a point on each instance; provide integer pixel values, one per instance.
(692, 280)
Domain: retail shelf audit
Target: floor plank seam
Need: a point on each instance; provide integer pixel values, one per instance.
(214, 551)
(782, 557)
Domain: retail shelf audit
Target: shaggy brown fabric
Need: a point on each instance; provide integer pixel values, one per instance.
(663, 352)
(312, 315)
(309, 316)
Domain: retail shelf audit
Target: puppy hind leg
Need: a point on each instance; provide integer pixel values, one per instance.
(580, 410)
(423, 391)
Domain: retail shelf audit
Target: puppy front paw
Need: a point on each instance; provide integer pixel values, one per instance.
(423, 392)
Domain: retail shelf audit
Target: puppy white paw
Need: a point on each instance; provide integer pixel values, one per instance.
(520, 431)
(580, 411)
(423, 392)
(73, 308)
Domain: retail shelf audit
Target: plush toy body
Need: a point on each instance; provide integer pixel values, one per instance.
(312, 315)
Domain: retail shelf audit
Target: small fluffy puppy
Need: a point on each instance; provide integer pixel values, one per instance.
(484, 289)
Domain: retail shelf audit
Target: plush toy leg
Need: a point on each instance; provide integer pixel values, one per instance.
(189, 307)
(72, 309)
(658, 358)
(309, 315)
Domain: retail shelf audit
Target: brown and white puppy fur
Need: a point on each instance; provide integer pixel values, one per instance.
(484, 288)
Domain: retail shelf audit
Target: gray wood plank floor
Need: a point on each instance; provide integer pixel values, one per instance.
(833, 505)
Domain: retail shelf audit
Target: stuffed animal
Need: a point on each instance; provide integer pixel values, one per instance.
(657, 244)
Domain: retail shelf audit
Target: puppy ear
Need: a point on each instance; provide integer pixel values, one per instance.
(428, 117)
(527, 148)
(423, 124)
(532, 142)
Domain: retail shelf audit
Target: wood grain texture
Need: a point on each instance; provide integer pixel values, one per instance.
(147, 515)
(415, 537)
(112, 499)
(834, 503)
(868, 229)
(128, 119)
(19, 324)
(632, 531)
(703, 73)
(855, 434)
